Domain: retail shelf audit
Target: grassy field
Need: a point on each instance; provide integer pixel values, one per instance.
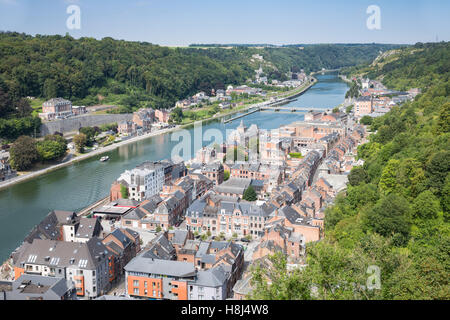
(36, 104)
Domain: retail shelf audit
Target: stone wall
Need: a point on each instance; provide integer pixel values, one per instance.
(75, 123)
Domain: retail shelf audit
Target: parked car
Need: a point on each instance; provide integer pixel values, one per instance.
(245, 240)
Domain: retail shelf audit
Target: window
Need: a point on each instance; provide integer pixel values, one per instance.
(136, 283)
(145, 284)
(136, 291)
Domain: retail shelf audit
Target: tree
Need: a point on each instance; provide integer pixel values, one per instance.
(445, 200)
(362, 195)
(357, 176)
(353, 92)
(426, 206)
(336, 110)
(90, 133)
(177, 115)
(124, 192)
(349, 109)
(50, 88)
(5, 103)
(13, 128)
(23, 108)
(52, 148)
(411, 177)
(80, 142)
(250, 194)
(366, 120)
(23, 153)
(388, 181)
(284, 284)
(390, 217)
(226, 175)
(437, 169)
(443, 123)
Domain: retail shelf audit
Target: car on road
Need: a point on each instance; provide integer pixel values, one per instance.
(245, 240)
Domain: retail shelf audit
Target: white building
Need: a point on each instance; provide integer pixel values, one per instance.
(144, 182)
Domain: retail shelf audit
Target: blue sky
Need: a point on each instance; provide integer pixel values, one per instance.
(182, 22)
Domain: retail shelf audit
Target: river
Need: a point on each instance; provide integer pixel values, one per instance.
(75, 187)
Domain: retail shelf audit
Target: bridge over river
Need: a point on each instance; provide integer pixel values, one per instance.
(278, 109)
(291, 109)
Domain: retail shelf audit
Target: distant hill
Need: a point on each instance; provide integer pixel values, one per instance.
(139, 74)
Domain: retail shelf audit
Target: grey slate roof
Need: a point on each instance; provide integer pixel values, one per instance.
(88, 228)
(179, 237)
(160, 248)
(64, 254)
(161, 267)
(48, 228)
(38, 287)
(136, 214)
(215, 277)
(119, 235)
(234, 186)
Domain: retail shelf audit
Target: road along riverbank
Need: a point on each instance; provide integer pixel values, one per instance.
(31, 175)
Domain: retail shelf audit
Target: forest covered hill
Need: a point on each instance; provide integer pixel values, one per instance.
(133, 75)
(50, 66)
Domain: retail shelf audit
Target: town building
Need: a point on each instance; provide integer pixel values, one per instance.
(363, 106)
(56, 108)
(127, 128)
(79, 110)
(162, 116)
(214, 172)
(151, 278)
(6, 172)
(86, 264)
(125, 245)
(65, 226)
(224, 215)
(35, 287)
(144, 181)
(144, 118)
(115, 210)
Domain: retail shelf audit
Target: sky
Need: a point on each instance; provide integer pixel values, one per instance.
(183, 22)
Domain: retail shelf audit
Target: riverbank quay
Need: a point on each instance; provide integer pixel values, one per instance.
(34, 174)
